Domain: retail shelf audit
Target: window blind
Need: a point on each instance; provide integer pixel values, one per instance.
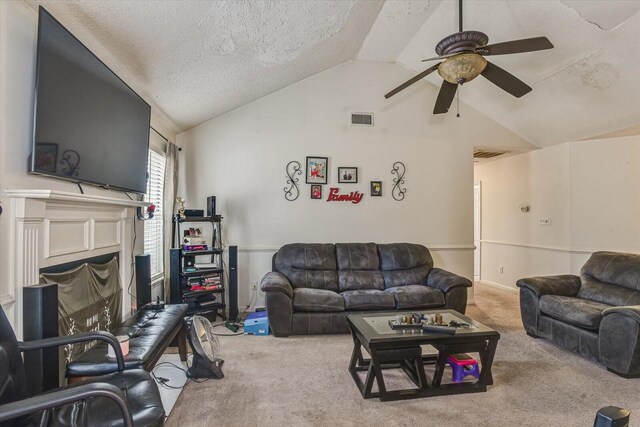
(153, 228)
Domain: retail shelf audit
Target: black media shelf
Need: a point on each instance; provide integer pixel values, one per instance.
(209, 303)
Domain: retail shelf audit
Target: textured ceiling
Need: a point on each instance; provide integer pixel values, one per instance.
(199, 59)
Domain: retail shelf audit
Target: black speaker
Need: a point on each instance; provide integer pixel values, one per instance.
(41, 321)
(211, 206)
(175, 283)
(143, 280)
(233, 283)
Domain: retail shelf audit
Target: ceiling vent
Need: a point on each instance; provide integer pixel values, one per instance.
(486, 154)
(362, 119)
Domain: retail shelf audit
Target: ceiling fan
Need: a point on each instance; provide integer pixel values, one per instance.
(463, 60)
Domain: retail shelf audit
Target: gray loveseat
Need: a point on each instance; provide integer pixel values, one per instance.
(596, 315)
(314, 286)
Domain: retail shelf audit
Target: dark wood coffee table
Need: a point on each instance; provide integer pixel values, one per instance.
(372, 331)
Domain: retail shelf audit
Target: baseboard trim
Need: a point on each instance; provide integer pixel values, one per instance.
(499, 286)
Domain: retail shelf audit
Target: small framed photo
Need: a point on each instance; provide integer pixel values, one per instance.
(348, 175)
(317, 168)
(376, 188)
(46, 157)
(316, 191)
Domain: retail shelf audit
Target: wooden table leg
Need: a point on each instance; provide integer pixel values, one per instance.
(486, 358)
(182, 341)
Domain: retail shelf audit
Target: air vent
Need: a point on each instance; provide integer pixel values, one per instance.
(485, 154)
(362, 119)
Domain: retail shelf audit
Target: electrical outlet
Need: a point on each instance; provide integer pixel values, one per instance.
(254, 285)
(544, 221)
(501, 270)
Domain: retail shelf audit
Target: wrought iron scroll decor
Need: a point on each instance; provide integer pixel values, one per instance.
(291, 191)
(398, 190)
(70, 162)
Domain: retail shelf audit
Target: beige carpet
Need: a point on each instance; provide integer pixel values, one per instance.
(303, 381)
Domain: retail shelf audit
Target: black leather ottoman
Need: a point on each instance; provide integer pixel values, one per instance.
(150, 333)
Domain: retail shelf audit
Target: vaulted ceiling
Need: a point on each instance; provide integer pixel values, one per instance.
(199, 59)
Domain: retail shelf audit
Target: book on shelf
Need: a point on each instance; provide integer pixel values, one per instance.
(195, 247)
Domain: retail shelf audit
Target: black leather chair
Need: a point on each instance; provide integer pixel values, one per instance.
(123, 398)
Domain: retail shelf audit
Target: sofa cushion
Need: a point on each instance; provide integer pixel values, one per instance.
(404, 264)
(611, 278)
(368, 299)
(615, 268)
(576, 311)
(354, 280)
(416, 296)
(357, 256)
(308, 265)
(308, 299)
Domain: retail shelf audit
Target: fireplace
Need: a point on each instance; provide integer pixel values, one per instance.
(51, 228)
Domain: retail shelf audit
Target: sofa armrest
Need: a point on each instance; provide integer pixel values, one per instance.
(274, 281)
(630, 311)
(565, 285)
(446, 280)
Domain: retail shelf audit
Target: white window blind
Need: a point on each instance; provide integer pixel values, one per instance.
(153, 228)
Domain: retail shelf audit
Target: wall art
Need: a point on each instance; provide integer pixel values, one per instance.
(316, 191)
(398, 190)
(317, 170)
(353, 197)
(347, 175)
(291, 192)
(376, 188)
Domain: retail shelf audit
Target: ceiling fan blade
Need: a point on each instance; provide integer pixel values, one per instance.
(445, 97)
(516, 46)
(505, 80)
(412, 80)
(442, 57)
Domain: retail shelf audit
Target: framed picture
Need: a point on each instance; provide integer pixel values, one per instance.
(46, 157)
(316, 191)
(376, 188)
(347, 175)
(317, 168)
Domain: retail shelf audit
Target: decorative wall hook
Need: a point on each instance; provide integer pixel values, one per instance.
(70, 162)
(291, 192)
(399, 171)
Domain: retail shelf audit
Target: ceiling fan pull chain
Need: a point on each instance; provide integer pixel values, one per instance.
(458, 101)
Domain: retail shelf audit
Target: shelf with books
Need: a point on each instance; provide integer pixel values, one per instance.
(197, 262)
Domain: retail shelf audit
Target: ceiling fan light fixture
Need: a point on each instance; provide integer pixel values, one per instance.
(462, 68)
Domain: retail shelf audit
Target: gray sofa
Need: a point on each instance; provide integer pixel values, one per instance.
(314, 286)
(596, 315)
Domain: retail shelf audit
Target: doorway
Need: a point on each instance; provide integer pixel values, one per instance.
(477, 225)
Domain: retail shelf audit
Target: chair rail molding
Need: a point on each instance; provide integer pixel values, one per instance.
(55, 227)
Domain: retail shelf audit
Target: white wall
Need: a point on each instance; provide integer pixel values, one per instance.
(588, 189)
(241, 156)
(18, 30)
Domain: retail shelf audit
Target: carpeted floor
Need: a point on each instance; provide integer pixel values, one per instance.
(303, 381)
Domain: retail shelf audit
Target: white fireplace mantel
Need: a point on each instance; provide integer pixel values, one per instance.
(55, 227)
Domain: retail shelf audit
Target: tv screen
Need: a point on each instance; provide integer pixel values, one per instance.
(89, 125)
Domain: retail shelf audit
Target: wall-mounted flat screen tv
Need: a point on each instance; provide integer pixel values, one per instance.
(89, 125)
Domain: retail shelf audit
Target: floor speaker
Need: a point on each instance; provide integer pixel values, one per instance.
(233, 283)
(143, 280)
(41, 321)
